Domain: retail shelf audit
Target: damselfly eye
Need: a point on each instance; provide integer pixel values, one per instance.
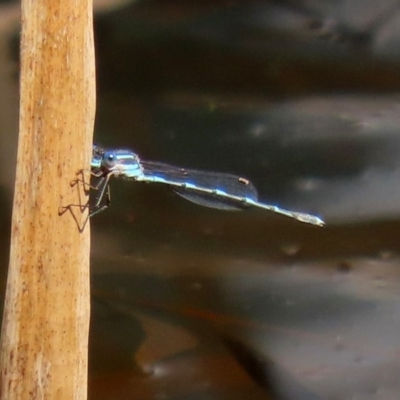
(109, 159)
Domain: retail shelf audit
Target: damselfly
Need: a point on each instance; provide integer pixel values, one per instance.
(209, 189)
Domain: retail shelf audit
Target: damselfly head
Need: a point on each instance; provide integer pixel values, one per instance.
(123, 163)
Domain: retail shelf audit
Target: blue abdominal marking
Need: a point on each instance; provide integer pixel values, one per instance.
(209, 189)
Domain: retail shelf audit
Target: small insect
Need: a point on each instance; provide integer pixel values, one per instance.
(209, 189)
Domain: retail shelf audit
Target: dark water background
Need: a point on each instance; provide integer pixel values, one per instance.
(302, 97)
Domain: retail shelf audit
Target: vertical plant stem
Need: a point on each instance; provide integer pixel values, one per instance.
(46, 318)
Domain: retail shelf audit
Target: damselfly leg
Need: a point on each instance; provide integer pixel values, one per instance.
(103, 199)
